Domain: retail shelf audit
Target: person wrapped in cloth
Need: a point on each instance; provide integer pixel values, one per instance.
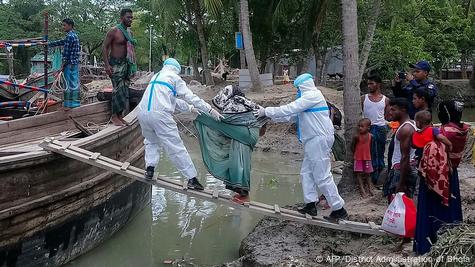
(165, 93)
(227, 145)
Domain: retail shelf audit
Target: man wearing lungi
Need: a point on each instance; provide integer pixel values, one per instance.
(119, 63)
(70, 66)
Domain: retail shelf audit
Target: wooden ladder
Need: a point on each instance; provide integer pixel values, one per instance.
(127, 170)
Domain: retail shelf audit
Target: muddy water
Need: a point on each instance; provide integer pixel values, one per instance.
(468, 115)
(184, 229)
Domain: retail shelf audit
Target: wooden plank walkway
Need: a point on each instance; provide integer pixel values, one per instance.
(125, 169)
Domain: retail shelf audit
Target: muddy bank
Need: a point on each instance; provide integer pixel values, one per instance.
(275, 242)
(284, 243)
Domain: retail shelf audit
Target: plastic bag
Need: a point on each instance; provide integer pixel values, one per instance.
(400, 217)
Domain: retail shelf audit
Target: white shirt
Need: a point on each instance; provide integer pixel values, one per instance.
(374, 111)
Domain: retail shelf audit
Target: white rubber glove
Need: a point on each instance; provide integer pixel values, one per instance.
(215, 114)
(258, 113)
(195, 110)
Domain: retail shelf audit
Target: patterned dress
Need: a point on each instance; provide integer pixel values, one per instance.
(432, 213)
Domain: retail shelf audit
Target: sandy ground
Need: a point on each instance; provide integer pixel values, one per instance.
(284, 243)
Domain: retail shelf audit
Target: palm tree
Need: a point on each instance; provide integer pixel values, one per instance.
(248, 48)
(368, 41)
(196, 7)
(191, 13)
(351, 91)
(313, 15)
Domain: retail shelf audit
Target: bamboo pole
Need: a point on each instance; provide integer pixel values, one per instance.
(46, 53)
(11, 74)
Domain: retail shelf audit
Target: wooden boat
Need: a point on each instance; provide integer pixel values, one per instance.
(52, 208)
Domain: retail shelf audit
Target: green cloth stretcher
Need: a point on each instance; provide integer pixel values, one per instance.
(227, 145)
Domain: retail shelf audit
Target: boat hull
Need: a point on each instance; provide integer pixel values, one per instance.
(61, 243)
(53, 208)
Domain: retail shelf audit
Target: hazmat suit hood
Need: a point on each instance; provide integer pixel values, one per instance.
(303, 83)
(172, 65)
(310, 110)
(167, 91)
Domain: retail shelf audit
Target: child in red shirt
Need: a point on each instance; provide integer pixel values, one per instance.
(427, 133)
(361, 146)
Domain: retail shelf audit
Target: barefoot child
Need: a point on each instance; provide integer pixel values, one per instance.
(363, 167)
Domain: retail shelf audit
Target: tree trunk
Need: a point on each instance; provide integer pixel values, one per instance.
(263, 65)
(322, 14)
(249, 49)
(368, 42)
(472, 80)
(11, 73)
(196, 72)
(202, 39)
(316, 54)
(351, 92)
(242, 53)
(325, 62)
(463, 65)
(306, 60)
(194, 57)
(275, 67)
(318, 67)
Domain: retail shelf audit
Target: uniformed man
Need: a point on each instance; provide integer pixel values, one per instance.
(418, 79)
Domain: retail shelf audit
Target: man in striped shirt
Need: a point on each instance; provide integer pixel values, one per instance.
(70, 66)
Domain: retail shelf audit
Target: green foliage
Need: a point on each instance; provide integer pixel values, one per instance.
(435, 30)
(93, 18)
(290, 27)
(394, 49)
(440, 31)
(19, 19)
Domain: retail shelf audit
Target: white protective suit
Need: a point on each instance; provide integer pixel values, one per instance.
(165, 93)
(315, 130)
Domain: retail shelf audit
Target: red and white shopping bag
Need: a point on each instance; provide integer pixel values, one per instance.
(400, 217)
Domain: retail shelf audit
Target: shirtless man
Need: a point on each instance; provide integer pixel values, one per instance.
(117, 65)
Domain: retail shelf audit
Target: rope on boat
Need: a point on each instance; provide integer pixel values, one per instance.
(186, 128)
(24, 86)
(58, 84)
(22, 43)
(15, 104)
(6, 45)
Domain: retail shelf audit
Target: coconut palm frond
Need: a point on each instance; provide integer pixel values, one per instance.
(214, 7)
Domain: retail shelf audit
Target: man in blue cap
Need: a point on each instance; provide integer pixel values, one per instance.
(418, 79)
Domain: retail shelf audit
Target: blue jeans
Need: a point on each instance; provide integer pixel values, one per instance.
(72, 97)
(378, 145)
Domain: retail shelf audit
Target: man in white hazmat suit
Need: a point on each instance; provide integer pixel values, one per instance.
(165, 92)
(315, 131)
